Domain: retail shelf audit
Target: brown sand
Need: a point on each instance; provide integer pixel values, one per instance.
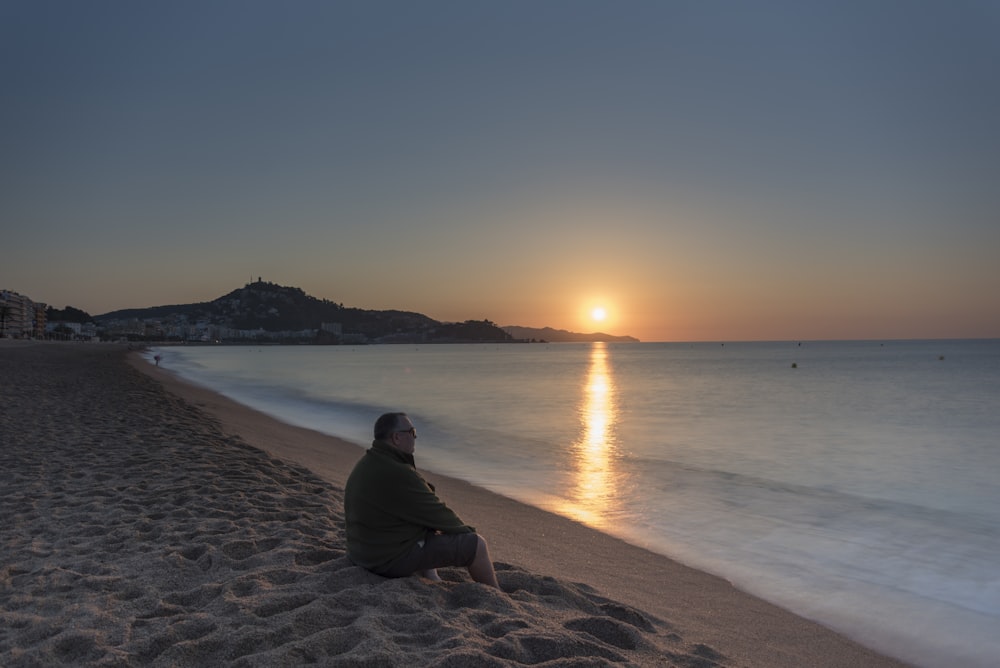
(156, 523)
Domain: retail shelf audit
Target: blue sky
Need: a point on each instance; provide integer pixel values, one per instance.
(703, 170)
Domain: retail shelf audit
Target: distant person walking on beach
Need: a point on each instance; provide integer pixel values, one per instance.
(396, 524)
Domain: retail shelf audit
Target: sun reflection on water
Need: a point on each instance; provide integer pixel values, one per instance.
(592, 497)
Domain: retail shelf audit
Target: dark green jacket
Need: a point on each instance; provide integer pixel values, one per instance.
(389, 507)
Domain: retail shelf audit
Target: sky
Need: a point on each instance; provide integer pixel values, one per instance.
(703, 170)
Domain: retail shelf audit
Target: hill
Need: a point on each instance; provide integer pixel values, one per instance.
(267, 311)
(563, 336)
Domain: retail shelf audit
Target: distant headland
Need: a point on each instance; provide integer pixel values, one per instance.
(563, 336)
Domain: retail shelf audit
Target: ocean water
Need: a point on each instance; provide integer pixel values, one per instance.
(854, 483)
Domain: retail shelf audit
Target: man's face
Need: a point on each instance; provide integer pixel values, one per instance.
(405, 436)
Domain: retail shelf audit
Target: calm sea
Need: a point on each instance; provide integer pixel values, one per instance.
(855, 483)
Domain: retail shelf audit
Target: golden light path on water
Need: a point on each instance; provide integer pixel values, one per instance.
(593, 496)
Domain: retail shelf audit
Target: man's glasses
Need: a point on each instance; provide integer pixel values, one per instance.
(412, 431)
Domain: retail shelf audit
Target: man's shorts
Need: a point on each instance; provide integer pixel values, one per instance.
(435, 551)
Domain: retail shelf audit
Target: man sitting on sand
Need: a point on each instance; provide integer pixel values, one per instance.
(396, 524)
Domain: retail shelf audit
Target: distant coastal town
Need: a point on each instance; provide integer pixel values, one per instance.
(261, 312)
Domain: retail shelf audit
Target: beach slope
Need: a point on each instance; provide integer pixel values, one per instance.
(150, 522)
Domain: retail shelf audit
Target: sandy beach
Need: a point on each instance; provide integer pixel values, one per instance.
(146, 521)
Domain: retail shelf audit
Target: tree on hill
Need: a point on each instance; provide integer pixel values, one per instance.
(68, 314)
(470, 330)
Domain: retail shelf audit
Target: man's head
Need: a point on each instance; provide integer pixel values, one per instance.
(397, 430)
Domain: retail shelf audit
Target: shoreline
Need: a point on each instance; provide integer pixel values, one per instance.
(153, 522)
(746, 629)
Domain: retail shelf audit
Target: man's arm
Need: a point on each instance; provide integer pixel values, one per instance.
(414, 501)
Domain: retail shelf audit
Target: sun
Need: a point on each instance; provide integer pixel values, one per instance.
(599, 313)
